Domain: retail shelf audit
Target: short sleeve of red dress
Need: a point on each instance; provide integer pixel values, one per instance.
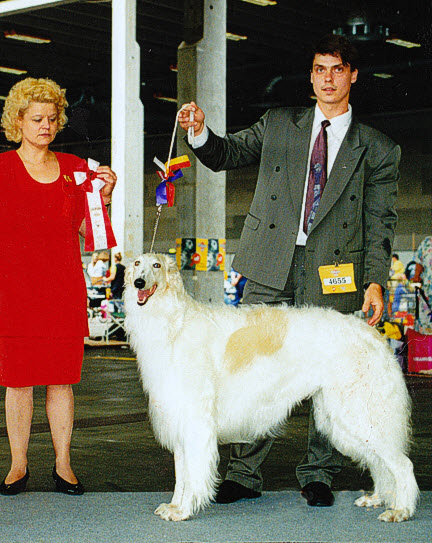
(42, 290)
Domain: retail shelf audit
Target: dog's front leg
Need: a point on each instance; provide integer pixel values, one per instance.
(179, 476)
(196, 476)
(168, 510)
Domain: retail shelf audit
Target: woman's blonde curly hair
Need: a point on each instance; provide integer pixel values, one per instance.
(22, 94)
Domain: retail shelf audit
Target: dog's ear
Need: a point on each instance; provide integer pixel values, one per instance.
(172, 266)
(173, 275)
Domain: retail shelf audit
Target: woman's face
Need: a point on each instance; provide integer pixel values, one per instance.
(39, 124)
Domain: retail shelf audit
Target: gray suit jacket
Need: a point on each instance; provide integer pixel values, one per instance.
(356, 217)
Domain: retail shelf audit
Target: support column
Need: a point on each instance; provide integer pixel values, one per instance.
(202, 78)
(127, 140)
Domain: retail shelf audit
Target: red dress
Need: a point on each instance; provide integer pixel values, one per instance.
(43, 299)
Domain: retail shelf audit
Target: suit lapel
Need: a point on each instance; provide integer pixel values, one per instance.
(346, 161)
(297, 157)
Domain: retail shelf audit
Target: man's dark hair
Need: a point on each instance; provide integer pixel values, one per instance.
(396, 256)
(335, 45)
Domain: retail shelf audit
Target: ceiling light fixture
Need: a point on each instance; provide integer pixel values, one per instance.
(403, 43)
(235, 37)
(14, 71)
(383, 76)
(359, 28)
(159, 96)
(261, 2)
(13, 35)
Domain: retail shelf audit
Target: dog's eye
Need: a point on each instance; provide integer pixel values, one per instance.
(137, 262)
(156, 265)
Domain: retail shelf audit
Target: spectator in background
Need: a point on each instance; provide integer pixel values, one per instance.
(92, 265)
(98, 270)
(102, 264)
(235, 286)
(423, 274)
(397, 269)
(116, 277)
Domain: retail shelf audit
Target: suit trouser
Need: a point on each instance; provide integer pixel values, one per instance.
(321, 461)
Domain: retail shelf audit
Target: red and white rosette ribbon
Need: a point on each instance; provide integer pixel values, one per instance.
(99, 232)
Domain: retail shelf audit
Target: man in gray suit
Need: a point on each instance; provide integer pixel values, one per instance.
(292, 252)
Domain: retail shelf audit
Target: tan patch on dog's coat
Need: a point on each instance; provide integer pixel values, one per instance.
(263, 335)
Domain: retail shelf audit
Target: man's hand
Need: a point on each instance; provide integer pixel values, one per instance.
(197, 123)
(373, 297)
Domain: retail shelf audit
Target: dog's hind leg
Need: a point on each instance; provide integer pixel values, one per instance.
(383, 484)
(394, 480)
(403, 499)
(196, 476)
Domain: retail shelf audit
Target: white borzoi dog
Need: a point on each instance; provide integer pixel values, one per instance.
(222, 374)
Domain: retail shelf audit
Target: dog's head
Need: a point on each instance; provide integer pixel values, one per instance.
(152, 275)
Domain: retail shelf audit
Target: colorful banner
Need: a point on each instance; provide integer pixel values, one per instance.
(201, 254)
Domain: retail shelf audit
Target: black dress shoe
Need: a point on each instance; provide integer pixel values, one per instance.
(65, 487)
(17, 487)
(230, 492)
(318, 494)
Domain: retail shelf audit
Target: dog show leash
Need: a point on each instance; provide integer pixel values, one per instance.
(165, 191)
(158, 214)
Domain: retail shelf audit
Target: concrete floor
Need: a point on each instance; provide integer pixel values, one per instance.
(114, 451)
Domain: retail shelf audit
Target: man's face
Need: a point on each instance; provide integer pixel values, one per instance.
(332, 80)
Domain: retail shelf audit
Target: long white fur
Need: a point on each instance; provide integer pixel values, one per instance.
(202, 392)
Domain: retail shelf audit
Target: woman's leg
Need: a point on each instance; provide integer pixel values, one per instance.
(60, 412)
(19, 412)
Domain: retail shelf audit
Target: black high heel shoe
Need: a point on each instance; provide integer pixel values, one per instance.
(65, 487)
(15, 488)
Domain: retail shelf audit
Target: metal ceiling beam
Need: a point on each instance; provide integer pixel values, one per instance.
(12, 7)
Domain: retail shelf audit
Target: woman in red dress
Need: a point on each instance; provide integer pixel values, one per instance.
(43, 317)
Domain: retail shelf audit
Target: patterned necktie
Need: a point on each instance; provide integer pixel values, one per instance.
(317, 177)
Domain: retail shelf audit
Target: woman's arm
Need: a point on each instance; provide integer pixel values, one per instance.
(111, 276)
(82, 229)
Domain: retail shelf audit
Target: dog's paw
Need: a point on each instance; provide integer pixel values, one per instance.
(369, 501)
(169, 511)
(394, 515)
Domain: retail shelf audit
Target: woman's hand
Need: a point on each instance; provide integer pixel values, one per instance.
(106, 174)
(197, 123)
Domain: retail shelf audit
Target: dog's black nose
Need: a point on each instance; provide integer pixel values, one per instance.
(139, 283)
